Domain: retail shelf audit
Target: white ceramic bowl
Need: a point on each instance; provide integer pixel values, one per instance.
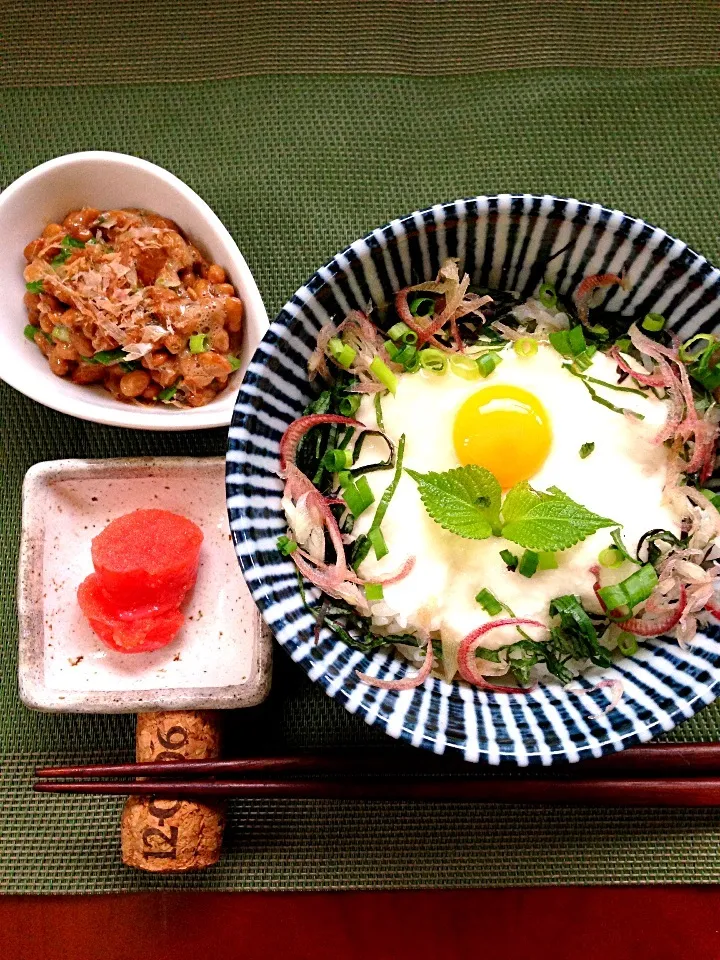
(110, 180)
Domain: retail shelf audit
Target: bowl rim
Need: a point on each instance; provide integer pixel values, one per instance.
(216, 414)
(434, 687)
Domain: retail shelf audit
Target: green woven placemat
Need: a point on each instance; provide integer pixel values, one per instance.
(297, 166)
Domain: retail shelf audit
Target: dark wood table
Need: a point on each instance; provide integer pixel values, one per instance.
(595, 923)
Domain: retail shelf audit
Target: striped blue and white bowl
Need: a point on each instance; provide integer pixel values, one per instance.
(503, 242)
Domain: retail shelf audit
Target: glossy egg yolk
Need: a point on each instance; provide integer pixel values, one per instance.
(504, 429)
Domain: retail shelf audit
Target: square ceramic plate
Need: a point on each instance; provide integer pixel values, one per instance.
(220, 659)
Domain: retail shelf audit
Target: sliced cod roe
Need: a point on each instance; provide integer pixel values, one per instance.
(147, 557)
(111, 624)
(145, 562)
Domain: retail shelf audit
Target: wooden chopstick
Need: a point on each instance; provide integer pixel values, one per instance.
(696, 792)
(666, 759)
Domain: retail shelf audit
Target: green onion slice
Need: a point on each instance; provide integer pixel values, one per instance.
(377, 542)
(422, 307)
(509, 559)
(341, 353)
(234, 362)
(286, 546)
(401, 331)
(489, 602)
(30, 331)
(335, 460)
(547, 561)
(464, 367)
(348, 405)
(653, 322)
(610, 557)
(487, 362)
(433, 360)
(382, 372)
(374, 591)
(627, 644)
(525, 347)
(198, 343)
(528, 563)
(688, 351)
(631, 591)
(547, 295)
(168, 393)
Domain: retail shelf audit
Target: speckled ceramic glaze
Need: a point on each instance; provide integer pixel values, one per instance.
(503, 242)
(221, 656)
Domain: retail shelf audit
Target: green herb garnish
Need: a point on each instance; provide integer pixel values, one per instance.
(198, 343)
(107, 357)
(465, 501)
(35, 286)
(528, 563)
(67, 245)
(631, 591)
(286, 546)
(489, 602)
(586, 449)
(547, 521)
(168, 393)
(509, 559)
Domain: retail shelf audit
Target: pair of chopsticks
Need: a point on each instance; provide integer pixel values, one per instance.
(668, 775)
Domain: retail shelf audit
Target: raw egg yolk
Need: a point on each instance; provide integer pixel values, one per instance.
(504, 429)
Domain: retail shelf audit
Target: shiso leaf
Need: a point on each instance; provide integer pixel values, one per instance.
(465, 501)
(552, 522)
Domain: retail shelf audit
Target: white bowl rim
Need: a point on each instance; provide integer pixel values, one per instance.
(199, 418)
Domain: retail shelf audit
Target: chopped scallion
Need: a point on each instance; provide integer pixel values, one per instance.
(108, 357)
(547, 561)
(547, 295)
(30, 331)
(377, 541)
(528, 563)
(401, 331)
(378, 411)
(586, 449)
(433, 360)
(168, 393)
(653, 322)
(234, 362)
(489, 602)
(348, 405)
(358, 496)
(342, 353)
(335, 460)
(198, 343)
(631, 591)
(509, 559)
(407, 357)
(525, 347)
(422, 307)
(610, 557)
(374, 591)
(627, 644)
(689, 353)
(487, 362)
(380, 370)
(286, 546)
(60, 333)
(464, 367)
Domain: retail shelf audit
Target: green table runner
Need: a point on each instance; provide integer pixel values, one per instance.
(301, 131)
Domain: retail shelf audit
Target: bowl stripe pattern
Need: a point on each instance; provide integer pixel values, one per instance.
(506, 242)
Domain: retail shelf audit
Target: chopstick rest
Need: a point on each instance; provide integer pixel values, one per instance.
(165, 834)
